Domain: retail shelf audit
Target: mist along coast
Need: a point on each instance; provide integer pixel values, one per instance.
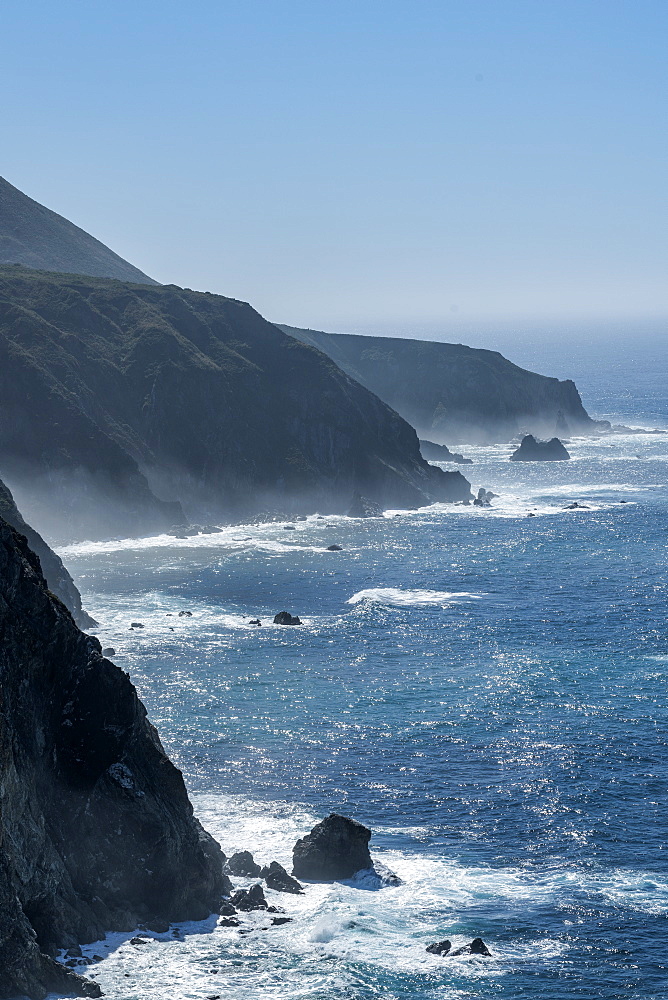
(343, 721)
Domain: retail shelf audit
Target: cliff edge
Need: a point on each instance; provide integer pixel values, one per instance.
(96, 829)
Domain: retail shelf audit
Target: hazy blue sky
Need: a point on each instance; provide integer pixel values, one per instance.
(357, 165)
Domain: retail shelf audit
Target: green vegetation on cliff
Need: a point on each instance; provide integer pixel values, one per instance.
(113, 395)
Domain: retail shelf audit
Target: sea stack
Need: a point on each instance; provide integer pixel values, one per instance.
(335, 848)
(532, 450)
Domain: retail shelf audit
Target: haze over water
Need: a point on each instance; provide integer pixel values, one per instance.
(484, 689)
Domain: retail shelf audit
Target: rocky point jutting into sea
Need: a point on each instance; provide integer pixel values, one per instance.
(96, 830)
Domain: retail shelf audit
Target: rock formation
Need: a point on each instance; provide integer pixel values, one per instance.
(57, 578)
(531, 450)
(278, 879)
(33, 235)
(432, 452)
(335, 848)
(96, 830)
(453, 393)
(122, 404)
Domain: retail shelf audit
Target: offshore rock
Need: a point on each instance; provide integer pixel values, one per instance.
(363, 507)
(96, 830)
(278, 879)
(439, 947)
(249, 899)
(476, 947)
(335, 848)
(242, 863)
(531, 450)
(285, 618)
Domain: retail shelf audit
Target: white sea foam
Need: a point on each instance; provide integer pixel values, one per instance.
(396, 597)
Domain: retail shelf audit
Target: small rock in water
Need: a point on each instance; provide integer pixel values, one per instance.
(255, 621)
(277, 921)
(136, 625)
(278, 879)
(335, 848)
(250, 899)
(439, 947)
(185, 614)
(289, 527)
(226, 909)
(285, 618)
(477, 947)
(334, 548)
(576, 506)
(109, 651)
(228, 922)
(243, 863)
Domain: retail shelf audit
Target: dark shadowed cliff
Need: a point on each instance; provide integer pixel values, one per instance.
(112, 395)
(452, 393)
(33, 235)
(57, 578)
(96, 830)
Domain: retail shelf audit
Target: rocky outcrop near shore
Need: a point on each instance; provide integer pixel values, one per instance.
(115, 398)
(531, 450)
(433, 452)
(58, 580)
(96, 830)
(336, 848)
(453, 393)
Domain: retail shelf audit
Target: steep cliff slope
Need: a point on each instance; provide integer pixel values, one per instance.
(58, 580)
(96, 830)
(103, 384)
(33, 235)
(452, 393)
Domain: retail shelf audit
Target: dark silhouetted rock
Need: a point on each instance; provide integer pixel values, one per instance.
(531, 450)
(578, 506)
(255, 621)
(136, 625)
(336, 848)
(242, 863)
(477, 947)
(250, 899)
(226, 909)
(279, 921)
(277, 878)
(229, 922)
(439, 947)
(433, 452)
(96, 830)
(285, 618)
(185, 614)
(57, 578)
(334, 548)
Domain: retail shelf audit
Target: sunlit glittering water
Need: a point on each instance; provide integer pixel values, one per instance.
(486, 690)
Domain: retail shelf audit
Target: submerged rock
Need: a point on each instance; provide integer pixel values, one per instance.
(278, 879)
(335, 848)
(532, 450)
(285, 618)
(243, 863)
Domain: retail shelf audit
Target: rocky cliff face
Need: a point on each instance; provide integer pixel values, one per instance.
(96, 830)
(452, 393)
(33, 235)
(58, 580)
(112, 395)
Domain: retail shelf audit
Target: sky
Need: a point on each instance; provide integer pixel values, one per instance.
(359, 166)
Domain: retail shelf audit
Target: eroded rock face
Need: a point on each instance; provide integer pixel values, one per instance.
(278, 879)
(243, 863)
(335, 848)
(96, 830)
(532, 450)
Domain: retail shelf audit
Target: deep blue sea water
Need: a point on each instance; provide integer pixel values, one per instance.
(484, 689)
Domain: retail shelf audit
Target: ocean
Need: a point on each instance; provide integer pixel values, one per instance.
(485, 690)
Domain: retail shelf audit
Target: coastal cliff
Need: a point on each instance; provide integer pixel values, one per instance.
(96, 830)
(122, 404)
(58, 580)
(451, 393)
